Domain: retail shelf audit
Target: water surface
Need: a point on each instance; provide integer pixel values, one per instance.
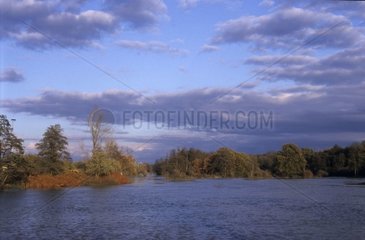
(154, 208)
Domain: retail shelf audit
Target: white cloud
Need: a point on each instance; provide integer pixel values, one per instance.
(42, 24)
(209, 48)
(289, 27)
(151, 46)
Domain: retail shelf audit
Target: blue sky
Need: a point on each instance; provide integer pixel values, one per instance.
(300, 60)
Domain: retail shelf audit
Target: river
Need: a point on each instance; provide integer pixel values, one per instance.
(154, 208)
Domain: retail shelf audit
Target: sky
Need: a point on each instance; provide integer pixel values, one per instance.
(279, 71)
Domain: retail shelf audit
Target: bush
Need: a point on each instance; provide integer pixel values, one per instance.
(14, 169)
(68, 179)
(308, 174)
(322, 173)
(113, 179)
(101, 165)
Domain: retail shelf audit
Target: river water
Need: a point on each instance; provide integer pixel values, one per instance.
(153, 208)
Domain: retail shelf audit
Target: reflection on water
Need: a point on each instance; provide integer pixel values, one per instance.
(154, 208)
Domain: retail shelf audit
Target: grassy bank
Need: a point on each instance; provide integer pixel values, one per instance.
(74, 179)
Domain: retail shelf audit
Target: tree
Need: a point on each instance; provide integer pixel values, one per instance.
(101, 165)
(109, 159)
(99, 128)
(335, 161)
(9, 143)
(266, 160)
(245, 166)
(182, 162)
(316, 161)
(357, 157)
(195, 163)
(127, 162)
(200, 166)
(13, 167)
(227, 163)
(290, 162)
(53, 149)
(222, 163)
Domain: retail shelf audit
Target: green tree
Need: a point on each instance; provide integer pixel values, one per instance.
(227, 163)
(34, 162)
(53, 149)
(290, 162)
(245, 166)
(9, 143)
(181, 163)
(101, 165)
(316, 161)
(357, 157)
(127, 162)
(222, 163)
(13, 167)
(266, 160)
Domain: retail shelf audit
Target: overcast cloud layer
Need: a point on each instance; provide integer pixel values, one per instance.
(305, 114)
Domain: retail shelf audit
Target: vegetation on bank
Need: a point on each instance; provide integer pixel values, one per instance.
(52, 167)
(108, 164)
(290, 162)
(188, 163)
(73, 179)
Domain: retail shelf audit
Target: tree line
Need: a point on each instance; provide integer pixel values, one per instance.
(290, 162)
(54, 159)
(107, 158)
(184, 163)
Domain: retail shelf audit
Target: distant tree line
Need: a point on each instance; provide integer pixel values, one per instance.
(290, 162)
(336, 161)
(225, 162)
(54, 159)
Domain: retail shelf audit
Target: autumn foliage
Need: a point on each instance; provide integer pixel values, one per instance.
(74, 179)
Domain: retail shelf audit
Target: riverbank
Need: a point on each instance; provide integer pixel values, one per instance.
(73, 179)
(70, 179)
(78, 179)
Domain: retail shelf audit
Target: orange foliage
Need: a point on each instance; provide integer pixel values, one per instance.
(119, 178)
(73, 179)
(69, 179)
(113, 179)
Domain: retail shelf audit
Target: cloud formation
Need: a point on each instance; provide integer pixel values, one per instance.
(209, 48)
(328, 108)
(138, 13)
(151, 46)
(343, 67)
(288, 27)
(41, 24)
(189, 4)
(11, 75)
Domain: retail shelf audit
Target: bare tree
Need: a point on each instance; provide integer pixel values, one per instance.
(100, 127)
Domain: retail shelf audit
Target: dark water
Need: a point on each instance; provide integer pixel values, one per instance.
(200, 209)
